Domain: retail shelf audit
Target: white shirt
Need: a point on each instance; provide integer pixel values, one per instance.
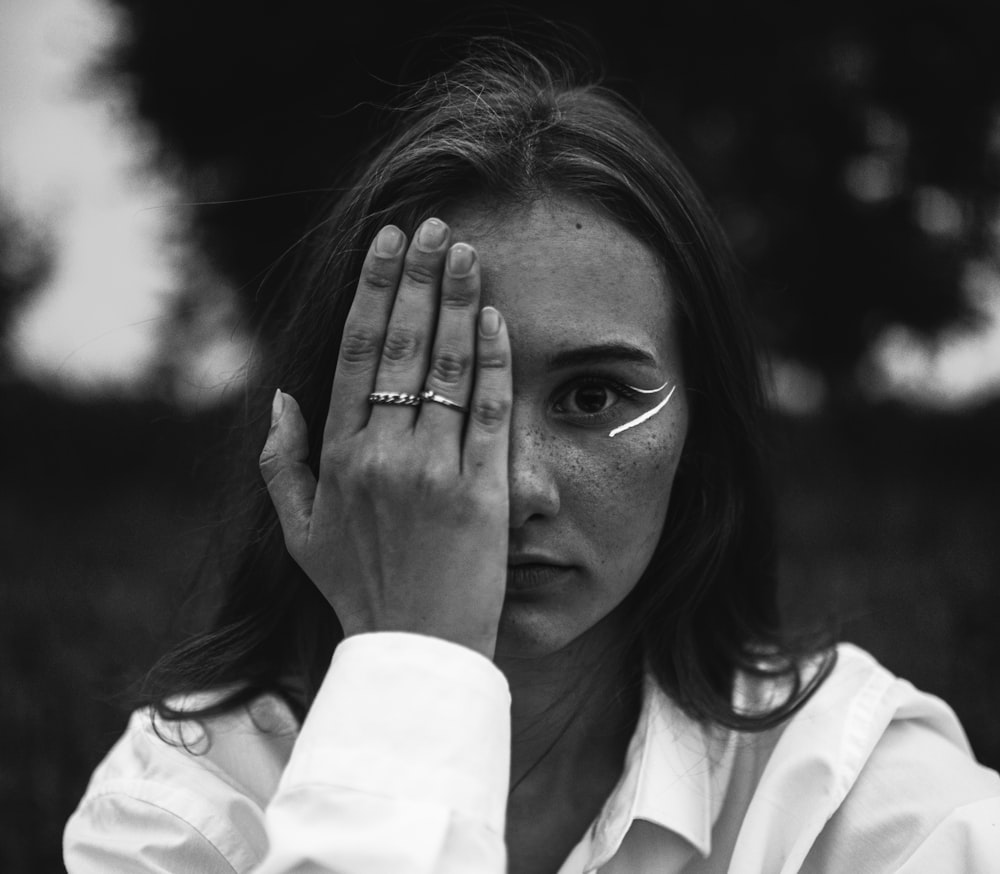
(402, 766)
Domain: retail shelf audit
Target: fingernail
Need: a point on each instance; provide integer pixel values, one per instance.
(389, 241)
(461, 257)
(431, 234)
(277, 405)
(489, 322)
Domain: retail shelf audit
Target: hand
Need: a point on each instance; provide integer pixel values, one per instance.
(405, 528)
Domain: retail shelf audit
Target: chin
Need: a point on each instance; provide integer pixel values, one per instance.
(537, 628)
(527, 630)
(578, 623)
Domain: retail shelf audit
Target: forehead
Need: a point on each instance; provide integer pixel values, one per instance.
(564, 275)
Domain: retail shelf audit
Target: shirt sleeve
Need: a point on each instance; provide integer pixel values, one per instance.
(124, 832)
(402, 765)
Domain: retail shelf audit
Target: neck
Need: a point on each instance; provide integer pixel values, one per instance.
(572, 711)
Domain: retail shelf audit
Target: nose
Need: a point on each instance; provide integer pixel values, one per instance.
(531, 472)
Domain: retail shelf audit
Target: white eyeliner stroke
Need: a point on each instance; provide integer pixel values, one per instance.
(649, 413)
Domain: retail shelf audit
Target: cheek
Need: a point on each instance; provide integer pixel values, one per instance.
(621, 485)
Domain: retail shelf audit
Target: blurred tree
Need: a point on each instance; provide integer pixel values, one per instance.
(25, 261)
(850, 147)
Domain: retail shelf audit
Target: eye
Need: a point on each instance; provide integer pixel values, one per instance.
(590, 398)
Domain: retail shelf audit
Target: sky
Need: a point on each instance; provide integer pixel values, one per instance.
(77, 170)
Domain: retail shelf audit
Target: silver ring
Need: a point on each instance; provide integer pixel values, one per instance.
(400, 398)
(434, 397)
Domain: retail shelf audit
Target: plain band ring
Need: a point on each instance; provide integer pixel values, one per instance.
(435, 398)
(399, 398)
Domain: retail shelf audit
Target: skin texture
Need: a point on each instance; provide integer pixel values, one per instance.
(567, 278)
(519, 529)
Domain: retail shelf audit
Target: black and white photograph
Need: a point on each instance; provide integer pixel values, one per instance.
(478, 438)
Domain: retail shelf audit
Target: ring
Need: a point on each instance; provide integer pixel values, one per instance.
(395, 397)
(434, 397)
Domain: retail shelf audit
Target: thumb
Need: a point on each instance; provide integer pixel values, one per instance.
(290, 482)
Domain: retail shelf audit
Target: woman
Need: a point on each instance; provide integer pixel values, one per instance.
(515, 466)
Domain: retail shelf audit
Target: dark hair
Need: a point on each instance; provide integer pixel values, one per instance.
(511, 127)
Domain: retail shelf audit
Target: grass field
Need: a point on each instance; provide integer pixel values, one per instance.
(890, 520)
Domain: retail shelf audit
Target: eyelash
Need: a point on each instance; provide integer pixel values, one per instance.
(605, 415)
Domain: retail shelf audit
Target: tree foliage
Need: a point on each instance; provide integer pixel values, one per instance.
(851, 148)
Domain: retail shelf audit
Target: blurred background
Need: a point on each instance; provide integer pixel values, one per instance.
(158, 159)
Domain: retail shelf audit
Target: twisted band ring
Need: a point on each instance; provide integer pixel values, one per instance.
(398, 398)
(435, 398)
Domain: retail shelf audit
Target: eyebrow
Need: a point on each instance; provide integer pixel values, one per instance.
(601, 352)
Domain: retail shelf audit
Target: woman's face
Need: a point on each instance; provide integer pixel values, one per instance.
(590, 314)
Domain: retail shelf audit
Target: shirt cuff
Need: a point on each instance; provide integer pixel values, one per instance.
(412, 717)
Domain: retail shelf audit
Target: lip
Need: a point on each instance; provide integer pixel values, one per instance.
(517, 559)
(533, 575)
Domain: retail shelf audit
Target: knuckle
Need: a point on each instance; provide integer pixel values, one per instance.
(277, 481)
(493, 362)
(375, 465)
(431, 478)
(359, 346)
(491, 413)
(331, 458)
(268, 463)
(457, 295)
(368, 472)
(484, 502)
(381, 276)
(450, 366)
(401, 345)
(422, 272)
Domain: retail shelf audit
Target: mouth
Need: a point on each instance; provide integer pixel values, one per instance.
(530, 576)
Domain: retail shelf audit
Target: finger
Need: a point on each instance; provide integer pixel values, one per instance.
(408, 337)
(449, 374)
(289, 480)
(487, 433)
(364, 334)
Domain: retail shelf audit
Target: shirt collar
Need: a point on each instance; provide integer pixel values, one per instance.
(675, 776)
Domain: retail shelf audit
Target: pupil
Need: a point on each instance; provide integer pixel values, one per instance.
(591, 399)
